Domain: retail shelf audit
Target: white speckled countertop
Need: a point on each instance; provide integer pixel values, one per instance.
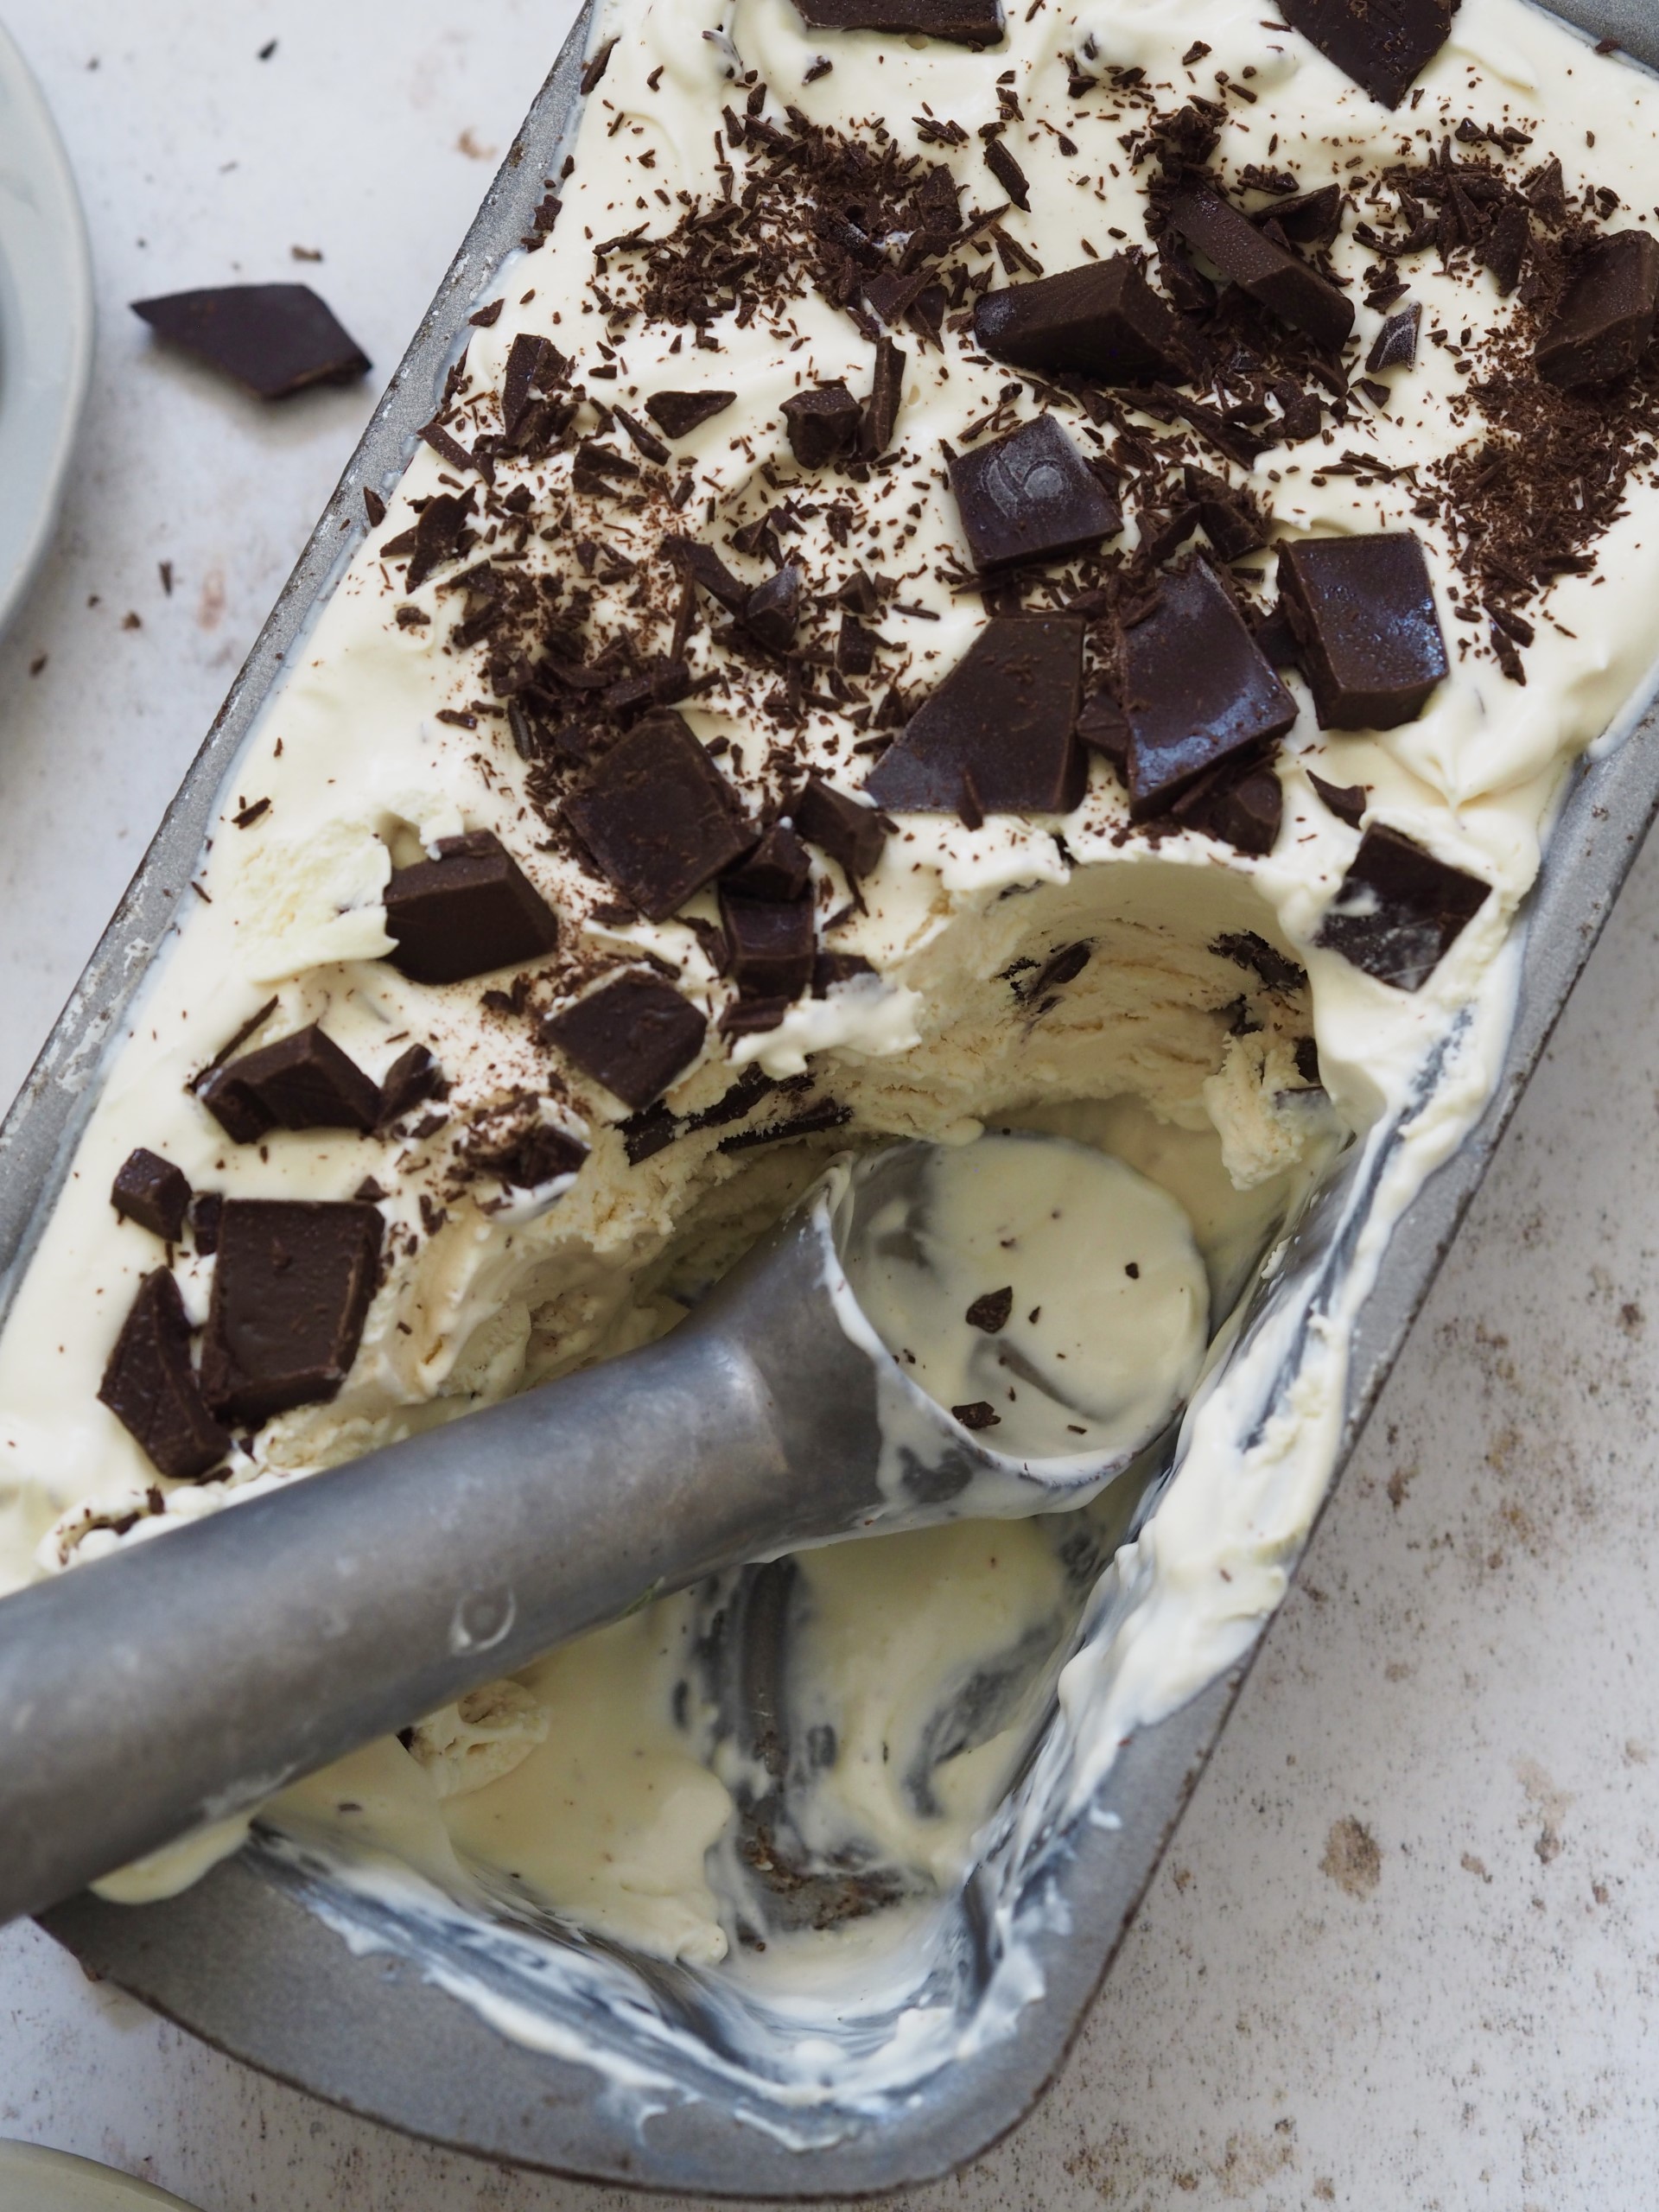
(1404, 1950)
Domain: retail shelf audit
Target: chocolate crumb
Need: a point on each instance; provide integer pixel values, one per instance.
(991, 1311)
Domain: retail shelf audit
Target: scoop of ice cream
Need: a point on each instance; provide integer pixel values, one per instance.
(1040, 1287)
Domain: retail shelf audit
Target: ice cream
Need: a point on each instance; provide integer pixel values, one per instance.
(1050, 584)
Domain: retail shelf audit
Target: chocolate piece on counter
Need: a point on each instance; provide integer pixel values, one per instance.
(537, 1156)
(1309, 218)
(291, 1289)
(677, 414)
(1363, 613)
(470, 910)
(275, 340)
(413, 1077)
(150, 1387)
(823, 424)
(1507, 243)
(1031, 496)
(436, 537)
(1605, 322)
(1345, 801)
(1001, 730)
(658, 818)
(302, 1082)
(1382, 44)
(968, 22)
(770, 945)
(1102, 320)
(1394, 345)
(772, 613)
(1008, 174)
(852, 833)
(1287, 287)
(153, 1192)
(991, 1313)
(829, 970)
(1104, 728)
(778, 868)
(705, 568)
(634, 1035)
(1197, 690)
(206, 1208)
(1240, 801)
(980, 1414)
(1399, 910)
(880, 417)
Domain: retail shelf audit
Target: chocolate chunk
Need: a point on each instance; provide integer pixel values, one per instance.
(780, 867)
(968, 22)
(1000, 732)
(1605, 322)
(772, 613)
(658, 818)
(153, 1192)
(817, 1121)
(1102, 320)
(437, 537)
(705, 568)
(1303, 412)
(1197, 690)
(470, 910)
(537, 1156)
(598, 65)
(855, 646)
(1394, 345)
(769, 945)
(634, 1035)
(752, 1017)
(1104, 728)
(1506, 245)
(831, 969)
(881, 408)
(1363, 612)
(150, 1388)
(1345, 801)
(302, 1082)
(643, 441)
(206, 1208)
(823, 424)
(413, 1077)
(1382, 44)
(533, 364)
(291, 1290)
(1309, 218)
(276, 339)
(1008, 174)
(980, 1414)
(1264, 961)
(851, 834)
(1031, 496)
(1399, 910)
(677, 414)
(1239, 801)
(1273, 633)
(991, 1313)
(1287, 288)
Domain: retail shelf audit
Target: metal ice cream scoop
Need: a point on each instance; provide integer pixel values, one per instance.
(185, 1678)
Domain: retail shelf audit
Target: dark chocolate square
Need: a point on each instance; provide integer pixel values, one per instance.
(150, 1387)
(658, 818)
(849, 832)
(291, 1291)
(302, 1082)
(471, 910)
(1001, 733)
(770, 944)
(1400, 909)
(1102, 320)
(1031, 496)
(1197, 690)
(1367, 631)
(968, 22)
(1382, 44)
(153, 1192)
(634, 1035)
(823, 424)
(1287, 286)
(274, 339)
(1605, 322)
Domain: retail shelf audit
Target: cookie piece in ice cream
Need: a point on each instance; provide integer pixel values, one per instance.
(658, 818)
(1382, 44)
(1368, 635)
(1400, 909)
(291, 1291)
(1000, 736)
(153, 1192)
(634, 1035)
(1102, 320)
(1196, 689)
(1031, 496)
(466, 912)
(151, 1388)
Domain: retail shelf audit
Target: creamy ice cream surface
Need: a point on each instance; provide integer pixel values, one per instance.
(1044, 580)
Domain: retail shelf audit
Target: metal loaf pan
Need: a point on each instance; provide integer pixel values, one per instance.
(245, 1961)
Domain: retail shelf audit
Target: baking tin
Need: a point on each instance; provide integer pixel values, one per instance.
(245, 1960)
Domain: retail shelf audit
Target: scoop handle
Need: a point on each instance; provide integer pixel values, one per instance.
(187, 1678)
